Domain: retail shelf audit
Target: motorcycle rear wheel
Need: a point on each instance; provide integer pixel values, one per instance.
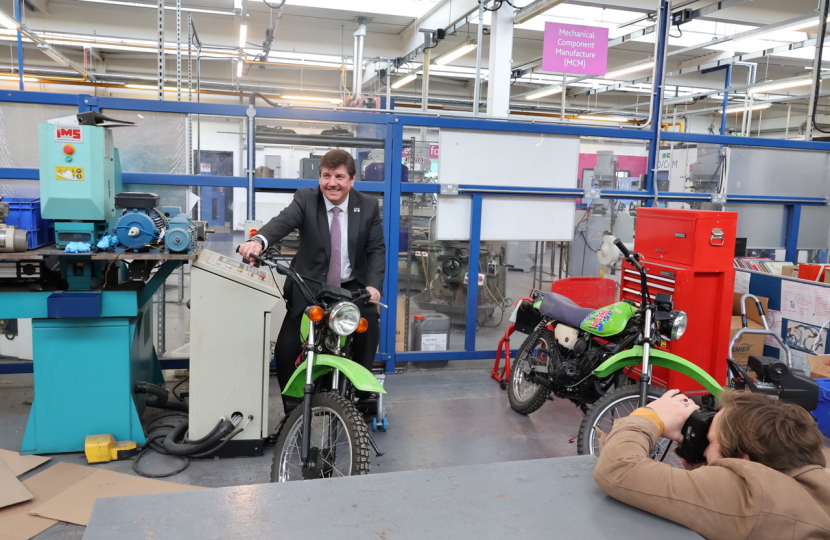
(526, 397)
(617, 404)
(339, 441)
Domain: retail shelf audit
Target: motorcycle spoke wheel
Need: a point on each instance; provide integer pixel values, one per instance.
(613, 406)
(339, 442)
(525, 396)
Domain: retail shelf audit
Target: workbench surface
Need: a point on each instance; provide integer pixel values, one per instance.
(546, 498)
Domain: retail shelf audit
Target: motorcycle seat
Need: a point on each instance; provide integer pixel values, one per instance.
(563, 309)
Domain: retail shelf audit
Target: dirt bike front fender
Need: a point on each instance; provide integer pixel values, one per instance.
(361, 378)
(634, 357)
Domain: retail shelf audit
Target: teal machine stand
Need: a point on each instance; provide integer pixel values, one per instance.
(91, 313)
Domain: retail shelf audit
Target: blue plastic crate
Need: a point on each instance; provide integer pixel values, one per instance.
(822, 412)
(25, 214)
(73, 304)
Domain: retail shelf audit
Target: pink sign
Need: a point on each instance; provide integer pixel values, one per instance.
(433, 151)
(571, 48)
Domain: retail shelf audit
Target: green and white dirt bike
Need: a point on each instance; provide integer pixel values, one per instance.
(586, 355)
(326, 435)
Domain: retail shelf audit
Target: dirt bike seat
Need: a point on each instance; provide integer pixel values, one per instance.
(563, 309)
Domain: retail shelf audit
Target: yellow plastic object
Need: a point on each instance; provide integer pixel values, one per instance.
(104, 448)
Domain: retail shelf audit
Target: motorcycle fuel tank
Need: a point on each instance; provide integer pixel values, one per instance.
(610, 320)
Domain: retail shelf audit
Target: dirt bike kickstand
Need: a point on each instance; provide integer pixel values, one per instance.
(378, 453)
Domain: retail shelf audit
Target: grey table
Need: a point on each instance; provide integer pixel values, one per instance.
(546, 498)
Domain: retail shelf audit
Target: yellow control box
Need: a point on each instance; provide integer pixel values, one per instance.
(104, 448)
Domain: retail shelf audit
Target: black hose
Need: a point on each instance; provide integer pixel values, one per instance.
(182, 448)
(161, 395)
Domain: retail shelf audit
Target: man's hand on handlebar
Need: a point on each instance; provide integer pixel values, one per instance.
(375, 294)
(249, 248)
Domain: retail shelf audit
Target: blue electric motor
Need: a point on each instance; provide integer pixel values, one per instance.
(141, 223)
(181, 235)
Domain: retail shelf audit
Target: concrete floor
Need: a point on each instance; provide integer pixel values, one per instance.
(437, 418)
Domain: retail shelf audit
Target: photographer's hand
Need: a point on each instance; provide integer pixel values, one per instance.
(674, 409)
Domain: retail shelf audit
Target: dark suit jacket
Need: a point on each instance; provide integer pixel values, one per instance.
(307, 212)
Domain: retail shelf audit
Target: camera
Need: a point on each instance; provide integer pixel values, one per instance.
(773, 377)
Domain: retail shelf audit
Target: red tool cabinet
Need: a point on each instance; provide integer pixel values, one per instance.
(690, 255)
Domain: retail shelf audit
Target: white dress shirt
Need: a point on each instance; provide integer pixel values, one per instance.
(345, 263)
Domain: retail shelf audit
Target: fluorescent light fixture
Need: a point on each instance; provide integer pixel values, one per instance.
(779, 86)
(544, 92)
(333, 101)
(243, 34)
(53, 54)
(603, 118)
(536, 8)
(8, 22)
(625, 71)
(456, 53)
(239, 65)
(15, 78)
(740, 108)
(404, 81)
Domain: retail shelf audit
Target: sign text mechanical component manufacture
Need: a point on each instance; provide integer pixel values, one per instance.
(571, 48)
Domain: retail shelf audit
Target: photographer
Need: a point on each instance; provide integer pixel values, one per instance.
(764, 478)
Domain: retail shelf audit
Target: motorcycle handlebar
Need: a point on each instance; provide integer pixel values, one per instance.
(622, 248)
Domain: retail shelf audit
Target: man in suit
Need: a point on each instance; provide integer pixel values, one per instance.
(333, 219)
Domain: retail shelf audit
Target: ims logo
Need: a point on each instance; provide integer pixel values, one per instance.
(68, 134)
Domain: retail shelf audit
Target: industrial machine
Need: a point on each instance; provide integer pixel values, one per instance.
(92, 323)
(603, 217)
(144, 225)
(707, 173)
(11, 238)
(229, 356)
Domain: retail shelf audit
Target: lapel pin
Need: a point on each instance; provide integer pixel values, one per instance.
(357, 209)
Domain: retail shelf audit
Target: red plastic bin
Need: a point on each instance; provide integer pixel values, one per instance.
(588, 292)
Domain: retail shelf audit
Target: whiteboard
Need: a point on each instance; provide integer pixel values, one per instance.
(506, 218)
(507, 159)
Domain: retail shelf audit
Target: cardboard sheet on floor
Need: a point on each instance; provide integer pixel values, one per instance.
(12, 491)
(15, 521)
(21, 464)
(74, 505)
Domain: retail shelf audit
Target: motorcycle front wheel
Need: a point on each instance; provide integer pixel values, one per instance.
(617, 404)
(525, 396)
(339, 442)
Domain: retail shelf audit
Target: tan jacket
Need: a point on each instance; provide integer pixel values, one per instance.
(731, 499)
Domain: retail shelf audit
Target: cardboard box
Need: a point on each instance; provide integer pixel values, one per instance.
(789, 271)
(819, 366)
(399, 325)
(748, 345)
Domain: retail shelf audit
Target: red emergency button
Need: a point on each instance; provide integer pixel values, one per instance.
(68, 149)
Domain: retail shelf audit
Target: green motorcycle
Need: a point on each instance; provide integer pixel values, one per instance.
(587, 355)
(658, 321)
(326, 435)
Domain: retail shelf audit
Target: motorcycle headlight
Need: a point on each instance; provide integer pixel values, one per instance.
(344, 318)
(679, 322)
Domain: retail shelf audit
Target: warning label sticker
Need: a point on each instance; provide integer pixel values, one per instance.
(69, 173)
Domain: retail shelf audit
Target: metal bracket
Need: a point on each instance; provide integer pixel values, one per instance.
(593, 193)
(719, 198)
(449, 189)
